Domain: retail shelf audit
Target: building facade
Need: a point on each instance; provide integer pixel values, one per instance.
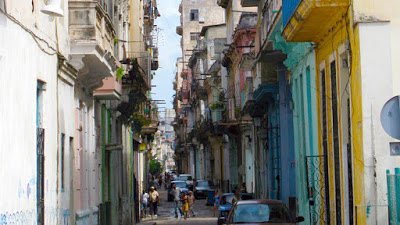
(194, 15)
(77, 150)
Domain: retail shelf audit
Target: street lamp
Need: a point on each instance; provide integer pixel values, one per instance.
(53, 8)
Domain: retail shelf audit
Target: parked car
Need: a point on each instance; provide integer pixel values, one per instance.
(201, 188)
(187, 178)
(183, 187)
(225, 204)
(260, 212)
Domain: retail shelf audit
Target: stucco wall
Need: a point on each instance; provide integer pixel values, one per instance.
(305, 143)
(18, 83)
(375, 10)
(208, 10)
(66, 106)
(377, 78)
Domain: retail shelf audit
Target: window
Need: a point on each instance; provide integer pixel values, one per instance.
(62, 150)
(107, 5)
(325, 139)
(40, 153)
(194, 15)
(336, 149)
(194, 36)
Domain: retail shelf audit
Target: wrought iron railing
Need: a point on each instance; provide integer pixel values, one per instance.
(316, 187)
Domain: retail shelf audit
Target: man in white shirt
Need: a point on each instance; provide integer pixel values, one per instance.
(154, 198)
(176, 192)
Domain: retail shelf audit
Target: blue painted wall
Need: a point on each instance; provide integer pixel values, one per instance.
(286, 137)
(273, 150)
(300, 63)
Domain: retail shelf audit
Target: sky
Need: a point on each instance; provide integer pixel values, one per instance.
(168, 51)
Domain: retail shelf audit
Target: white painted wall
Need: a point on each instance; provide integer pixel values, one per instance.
(22, 64)
(66, 124)
(377, 77)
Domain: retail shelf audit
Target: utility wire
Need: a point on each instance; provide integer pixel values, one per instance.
(35, 37)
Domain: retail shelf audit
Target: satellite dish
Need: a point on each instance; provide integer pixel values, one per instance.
(53, 8)
(390, 117)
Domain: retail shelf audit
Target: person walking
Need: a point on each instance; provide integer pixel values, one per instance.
(191, 200)
(145, 203)
(176, 193)
(160, 180)
(236, 197)
(216, 201)
(185, 205)
(154, 199)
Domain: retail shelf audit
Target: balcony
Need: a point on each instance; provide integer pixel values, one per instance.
(92, 42)
(179, 30)
(265, 93)
(150, 12)
(308, 20)
(111, 89)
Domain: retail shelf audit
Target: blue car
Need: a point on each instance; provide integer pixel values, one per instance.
(224, 206)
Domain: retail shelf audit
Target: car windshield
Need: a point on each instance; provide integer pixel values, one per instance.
(185, 178)
(181, 184)
(260, 213)
(202, 184)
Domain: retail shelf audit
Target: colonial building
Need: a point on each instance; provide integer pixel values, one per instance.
(77, 151)
(194, 15)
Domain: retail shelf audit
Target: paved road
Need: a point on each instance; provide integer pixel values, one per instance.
(166, 215)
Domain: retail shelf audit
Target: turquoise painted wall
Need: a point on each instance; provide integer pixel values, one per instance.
(305, 125)
(301, 64)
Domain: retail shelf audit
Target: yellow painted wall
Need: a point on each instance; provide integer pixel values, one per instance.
(324, 50)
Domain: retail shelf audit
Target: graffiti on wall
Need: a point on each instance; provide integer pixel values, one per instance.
(17, 218)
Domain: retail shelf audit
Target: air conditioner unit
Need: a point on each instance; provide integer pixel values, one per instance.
(201, 20)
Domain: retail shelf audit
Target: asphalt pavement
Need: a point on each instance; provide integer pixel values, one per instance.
(166, 215)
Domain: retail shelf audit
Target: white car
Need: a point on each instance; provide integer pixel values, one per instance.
(187, 178)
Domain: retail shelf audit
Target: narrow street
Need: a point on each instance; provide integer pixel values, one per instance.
(166, 215)
(293, 104)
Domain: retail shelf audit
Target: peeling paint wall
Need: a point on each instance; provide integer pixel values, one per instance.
(18, 85)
